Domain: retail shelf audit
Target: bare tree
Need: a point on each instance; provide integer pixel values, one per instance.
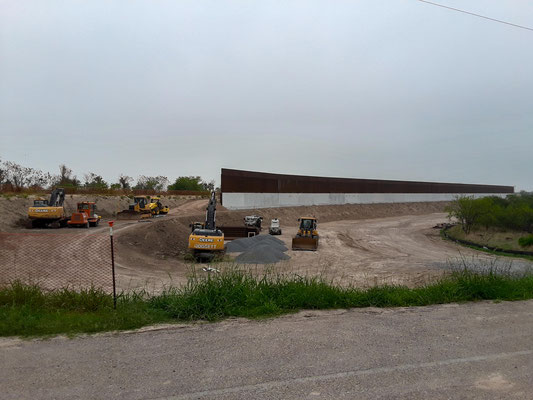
(210, 186)
(3, 173)
(38, 179)
(95, 181)
(65, 177)
(17, 175)
(157, 183)
(125, 181)
(64, 173)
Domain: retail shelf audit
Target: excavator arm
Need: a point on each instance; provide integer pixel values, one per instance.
(211, 211)
(206, 241)
(57, 198)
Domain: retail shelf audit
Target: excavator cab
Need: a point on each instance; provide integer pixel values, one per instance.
(196, 225)
(40, 202)
(139, 202)
(307, 236)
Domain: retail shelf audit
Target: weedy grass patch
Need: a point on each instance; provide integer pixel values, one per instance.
(28, 311)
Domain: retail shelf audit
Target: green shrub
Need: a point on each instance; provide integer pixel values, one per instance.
(526, 241)
(515, 212)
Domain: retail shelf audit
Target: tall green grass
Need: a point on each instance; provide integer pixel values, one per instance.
(29, 311)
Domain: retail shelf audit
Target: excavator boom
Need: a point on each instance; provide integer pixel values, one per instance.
(206, 241)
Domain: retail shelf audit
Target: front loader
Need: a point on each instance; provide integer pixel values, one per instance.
(307, 236)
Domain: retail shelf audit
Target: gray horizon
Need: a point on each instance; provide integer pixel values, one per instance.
(355, 89)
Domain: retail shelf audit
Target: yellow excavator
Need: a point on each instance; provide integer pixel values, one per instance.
(207, 241)
(48, 213)
(141, 208)
(307, 236)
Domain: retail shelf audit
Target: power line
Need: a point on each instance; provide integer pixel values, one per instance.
(476, 15)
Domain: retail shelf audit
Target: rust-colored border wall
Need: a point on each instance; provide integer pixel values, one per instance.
(237, 181)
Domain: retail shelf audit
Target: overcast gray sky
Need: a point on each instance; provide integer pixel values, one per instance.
(370, 89)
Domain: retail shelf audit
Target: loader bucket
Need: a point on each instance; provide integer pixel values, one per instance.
(305, 243)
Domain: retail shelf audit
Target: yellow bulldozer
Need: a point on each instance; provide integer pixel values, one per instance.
(307, 236)
(141, 208)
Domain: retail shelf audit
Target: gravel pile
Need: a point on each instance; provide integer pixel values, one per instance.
(261, 249)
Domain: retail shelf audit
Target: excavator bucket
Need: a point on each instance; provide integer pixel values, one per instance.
(305, 243)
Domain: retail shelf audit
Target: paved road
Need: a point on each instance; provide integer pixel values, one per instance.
(471, 351)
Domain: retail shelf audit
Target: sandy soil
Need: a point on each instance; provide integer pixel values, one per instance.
(14, 210)
(363, 245)
(401, 248)
(55, 258)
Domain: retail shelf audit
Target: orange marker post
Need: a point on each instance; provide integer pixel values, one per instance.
(113, 264)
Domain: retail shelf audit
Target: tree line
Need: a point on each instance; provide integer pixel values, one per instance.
(514, 212)
(15, 178)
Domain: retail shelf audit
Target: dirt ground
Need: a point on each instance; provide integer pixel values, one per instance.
(363, 245)
(55, 258)
(14, 210)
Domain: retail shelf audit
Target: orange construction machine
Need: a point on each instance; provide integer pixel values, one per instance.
(85, 216)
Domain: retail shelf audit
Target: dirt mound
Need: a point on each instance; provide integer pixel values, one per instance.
(262, 249)
(159, 238)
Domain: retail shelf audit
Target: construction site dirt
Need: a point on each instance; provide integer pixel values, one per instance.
(363, 245)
